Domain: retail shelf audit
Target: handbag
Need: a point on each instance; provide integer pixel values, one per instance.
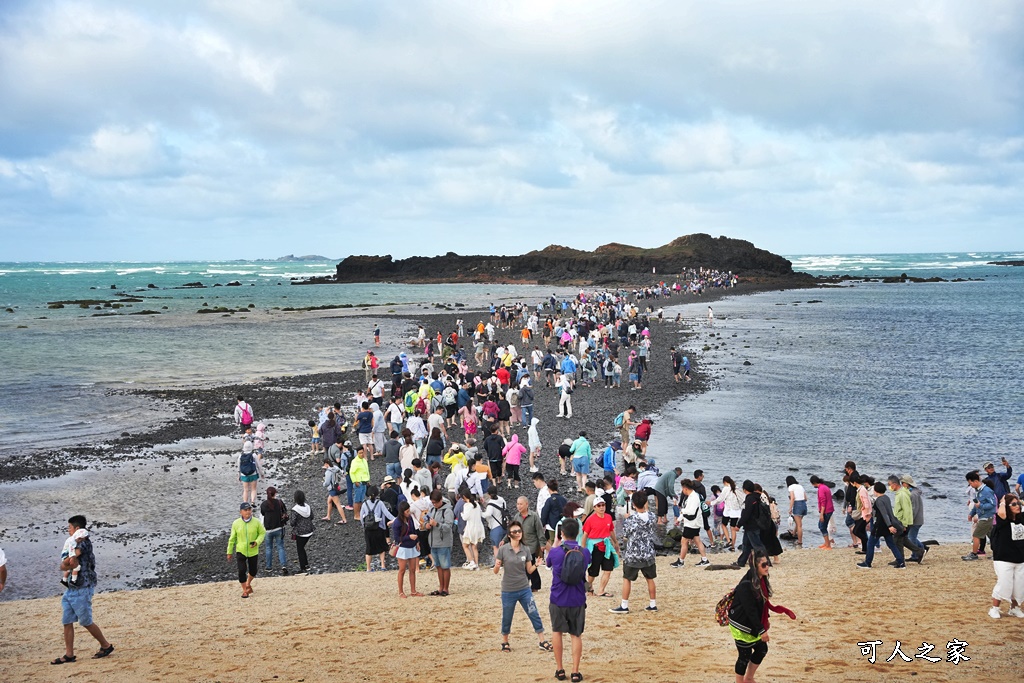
(393, 552)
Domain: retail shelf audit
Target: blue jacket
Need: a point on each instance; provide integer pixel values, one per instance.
(1002, 479)
(985, 508)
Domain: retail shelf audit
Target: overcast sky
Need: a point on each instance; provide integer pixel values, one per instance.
(244, 129)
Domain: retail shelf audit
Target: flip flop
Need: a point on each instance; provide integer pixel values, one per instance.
(104, 651)
(606, 595)
(64, 659)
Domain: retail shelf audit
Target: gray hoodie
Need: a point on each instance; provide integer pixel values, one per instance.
(441, 535)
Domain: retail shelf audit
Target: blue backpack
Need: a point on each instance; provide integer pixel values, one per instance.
(247, 465)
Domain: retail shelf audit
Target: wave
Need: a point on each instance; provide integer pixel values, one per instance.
(219, 271)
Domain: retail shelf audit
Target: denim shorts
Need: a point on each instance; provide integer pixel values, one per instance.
(77, 604)
(442, 557)
(358, 492)
(799, 508)
(581, 465)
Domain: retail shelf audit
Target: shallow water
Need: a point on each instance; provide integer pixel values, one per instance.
(919, 379)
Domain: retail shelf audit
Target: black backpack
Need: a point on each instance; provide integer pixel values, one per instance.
(504, 513)
(764, 517)
(247, 465)
(370, 520)
(574, 569)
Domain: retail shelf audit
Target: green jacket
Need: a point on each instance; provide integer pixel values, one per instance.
(903, 509)
(243, 533)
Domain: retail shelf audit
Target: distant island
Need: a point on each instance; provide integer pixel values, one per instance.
(607, 265)
(1006, 263)
(290, 258)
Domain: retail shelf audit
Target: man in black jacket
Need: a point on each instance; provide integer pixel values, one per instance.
(850, 497)
(886, 526)
(493, 445)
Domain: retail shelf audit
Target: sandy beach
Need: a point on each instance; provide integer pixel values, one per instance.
(353, 626)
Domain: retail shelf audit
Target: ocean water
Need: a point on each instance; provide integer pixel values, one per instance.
(922, 379)
(59, 364)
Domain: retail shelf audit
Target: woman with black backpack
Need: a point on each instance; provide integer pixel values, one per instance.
(748, 617)
(375, 517)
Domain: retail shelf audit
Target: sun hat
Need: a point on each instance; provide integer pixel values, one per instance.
(907, 479)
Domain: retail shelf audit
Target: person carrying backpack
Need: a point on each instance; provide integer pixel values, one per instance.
(244, 416)
(248, 472)
(568, 601)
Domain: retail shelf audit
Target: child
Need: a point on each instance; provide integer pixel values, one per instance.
(259, 439)
(70, 577)
(314, 441)
(469, 422)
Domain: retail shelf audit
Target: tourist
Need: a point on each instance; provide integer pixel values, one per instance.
(439, 522)
(748, 617)
(375, 517)
(643, 434)
(533, 436)
(77, 600)
(690, 521)
(981, 513)
(903, 508)
(1008, 557)
(302, 529)
(886, 527)
(581, 459)
(364, 427)
(513, 455)
(638, 535)
(247, 533)
(861, 514)
(518, 564)
(825, 510)
(333, 481)
(564, 385)
(917, 507)
(404, 537)
(359, 475)
(624, 422)
(534, 536)
(750, 521)
(797, 507)
(568, 601)
(248, 472)
(275, 514)
(3, 570)
(1001, 480)
(473, 534)
(552, 508)
(526, 400)
(244, 416)
(599, 538)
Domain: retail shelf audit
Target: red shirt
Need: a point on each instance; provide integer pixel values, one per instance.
(599, 527)
(503, 375)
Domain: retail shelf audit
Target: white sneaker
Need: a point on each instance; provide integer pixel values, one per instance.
(993, 612)
(1016, 612)
(534, 469)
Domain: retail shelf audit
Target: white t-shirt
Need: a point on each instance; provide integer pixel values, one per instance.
(798, 492)
(395, 413)
(542, 497)
(435, 421)
(3, 558)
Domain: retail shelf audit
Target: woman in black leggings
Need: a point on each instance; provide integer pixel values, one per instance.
(748, 628)
(302, 528)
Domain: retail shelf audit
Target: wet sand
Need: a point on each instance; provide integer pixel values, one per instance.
(353, 626)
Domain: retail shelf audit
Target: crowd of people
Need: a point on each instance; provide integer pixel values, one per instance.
(457, 433)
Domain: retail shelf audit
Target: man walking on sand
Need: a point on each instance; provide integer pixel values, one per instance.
(77, 600)
(439, 522)
(638, 552)
(568, 602)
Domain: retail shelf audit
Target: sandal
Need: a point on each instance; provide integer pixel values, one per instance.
(545, 645)
(64, 659)
(416, 594)
(104, 651)
(560, 674)
(606, 595)
(402, 595)
(505, 647)
(435, 593)
(576, 677)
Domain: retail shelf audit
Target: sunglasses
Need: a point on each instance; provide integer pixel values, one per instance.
(1015, 502)
(762, 565)
(515, 531)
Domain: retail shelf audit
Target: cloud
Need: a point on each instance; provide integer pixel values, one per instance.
(799, 126)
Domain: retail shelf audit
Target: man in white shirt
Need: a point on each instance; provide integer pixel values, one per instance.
(690, 520)
(436, 421)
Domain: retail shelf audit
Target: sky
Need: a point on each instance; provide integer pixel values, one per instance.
(135, 130)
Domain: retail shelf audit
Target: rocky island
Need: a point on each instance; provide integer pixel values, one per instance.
(611, 264)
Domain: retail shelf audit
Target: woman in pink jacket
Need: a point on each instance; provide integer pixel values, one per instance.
(513, 454)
